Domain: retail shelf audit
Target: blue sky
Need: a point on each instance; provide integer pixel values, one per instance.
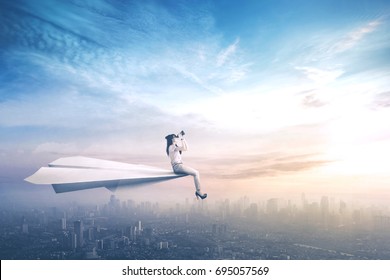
(274, 95)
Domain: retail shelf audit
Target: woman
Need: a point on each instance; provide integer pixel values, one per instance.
(174, 152)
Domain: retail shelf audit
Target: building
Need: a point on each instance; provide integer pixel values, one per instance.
(78, 231)
(272, 206)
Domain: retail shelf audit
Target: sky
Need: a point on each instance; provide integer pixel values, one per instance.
(276, 98)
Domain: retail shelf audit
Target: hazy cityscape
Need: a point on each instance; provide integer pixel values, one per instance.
(324, 228)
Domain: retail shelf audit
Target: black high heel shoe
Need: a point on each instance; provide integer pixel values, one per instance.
(198, 195)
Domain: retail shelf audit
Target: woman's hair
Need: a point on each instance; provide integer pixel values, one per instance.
(170, 141)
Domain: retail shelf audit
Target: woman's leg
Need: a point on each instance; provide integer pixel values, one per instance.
(183, 169)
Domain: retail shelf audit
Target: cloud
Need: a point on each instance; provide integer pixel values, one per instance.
(57, 148)
(320, 76)
(84, 112)
(42, 34)
(328, 50)
(141, 52)
(381, 100)
(225, 54)
(196, 79)
(312, 101)
(263, 165)
(354, 37)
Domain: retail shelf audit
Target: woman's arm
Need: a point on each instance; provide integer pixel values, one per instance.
(184, 145)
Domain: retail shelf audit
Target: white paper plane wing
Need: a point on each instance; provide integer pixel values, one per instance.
(79, 173)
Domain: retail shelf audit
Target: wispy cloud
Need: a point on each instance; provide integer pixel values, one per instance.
(195, 78)
(323, 52)
(354, 37)
(225, 54)
(257, 166)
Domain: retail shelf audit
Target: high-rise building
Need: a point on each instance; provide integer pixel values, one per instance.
(226, 209)
(91, 233)
(79, 230)
(163, 245)
(304, 201)
(24, 225)
(114, 206)
(272, 206)
(324, 205)
(25, 228)
(63, 223)
(133, 233)
(343, 208)
(100, 244)
(252, 211)
(74, 240)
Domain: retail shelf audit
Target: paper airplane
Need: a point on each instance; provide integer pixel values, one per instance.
(80, 173)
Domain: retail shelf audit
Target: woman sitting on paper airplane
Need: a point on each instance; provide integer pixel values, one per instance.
(175, 145)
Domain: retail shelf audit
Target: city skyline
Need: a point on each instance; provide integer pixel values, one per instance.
(327, 228)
